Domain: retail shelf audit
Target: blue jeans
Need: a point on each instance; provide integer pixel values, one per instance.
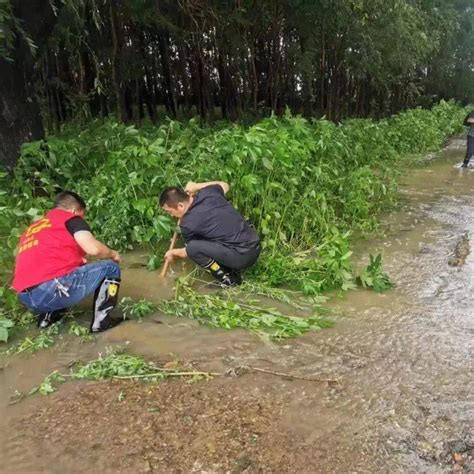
(68, 290)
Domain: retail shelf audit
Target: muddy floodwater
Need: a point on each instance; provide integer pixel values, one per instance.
(404, 401)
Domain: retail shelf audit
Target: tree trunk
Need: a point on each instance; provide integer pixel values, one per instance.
(184, 73)
(228, 93)
(115, 29)
(322, 71)
(168, 89)
(20, 119)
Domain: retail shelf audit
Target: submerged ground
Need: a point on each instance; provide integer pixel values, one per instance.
(404, 401)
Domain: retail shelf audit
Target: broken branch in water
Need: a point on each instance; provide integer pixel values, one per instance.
(245, 368)
(128, 367)
(240, 370)
(170, 373)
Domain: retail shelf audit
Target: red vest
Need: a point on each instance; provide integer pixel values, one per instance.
(46, 250)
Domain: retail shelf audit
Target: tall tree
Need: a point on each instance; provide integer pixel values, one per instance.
(132, 58)
(26, 27)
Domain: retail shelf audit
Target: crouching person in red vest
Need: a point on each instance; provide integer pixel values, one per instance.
(51, 273)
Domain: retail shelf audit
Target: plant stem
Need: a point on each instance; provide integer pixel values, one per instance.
(169, 374)
(290, 376)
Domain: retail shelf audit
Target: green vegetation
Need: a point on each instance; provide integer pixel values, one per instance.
(116, 100)
(305, 185)
(115, 365)
(47, 386)
(373, 276)
(139, 60)
(293, 179)
(41, 340)
(225, 311)
(48, 337)
(80, 331)
(12, 315)
(136, 309)
(5, 324)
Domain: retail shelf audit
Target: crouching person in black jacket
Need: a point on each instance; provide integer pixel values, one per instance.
(217, 237)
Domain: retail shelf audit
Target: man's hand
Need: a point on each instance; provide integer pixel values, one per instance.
(115, 256)
(178, 253)
(192, 188)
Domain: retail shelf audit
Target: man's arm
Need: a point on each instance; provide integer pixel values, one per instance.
(469, 120)
(179, 253)
(93, 247)
(193, 188)
(187, 235)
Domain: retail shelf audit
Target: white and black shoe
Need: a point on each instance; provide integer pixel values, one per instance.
(105, 300)
(106, 324)
(226, 277)
(45, 320)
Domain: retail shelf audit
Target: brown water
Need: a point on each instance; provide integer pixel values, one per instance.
(405, 401)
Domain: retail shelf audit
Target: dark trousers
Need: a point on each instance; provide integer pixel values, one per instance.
(203, 252)
(469, 149)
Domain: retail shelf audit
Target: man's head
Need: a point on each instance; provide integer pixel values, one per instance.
(70, 201)
(175, 201)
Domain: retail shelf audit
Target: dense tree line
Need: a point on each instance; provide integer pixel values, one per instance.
(136, 59)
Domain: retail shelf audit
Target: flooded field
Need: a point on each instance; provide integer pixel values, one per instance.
(403, 361)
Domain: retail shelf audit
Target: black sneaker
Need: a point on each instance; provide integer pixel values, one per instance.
(465, 165)
(226, 277)
(231, 279)
(45, 320)
(106, 324)
(236, 277)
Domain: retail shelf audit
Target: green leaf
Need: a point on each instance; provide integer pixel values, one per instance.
(3, 334)
(153, 263)
(267, 164)
(268, 319)
(6, 323)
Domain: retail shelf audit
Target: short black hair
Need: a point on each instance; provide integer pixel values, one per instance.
(172, 196)
(69, 200)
